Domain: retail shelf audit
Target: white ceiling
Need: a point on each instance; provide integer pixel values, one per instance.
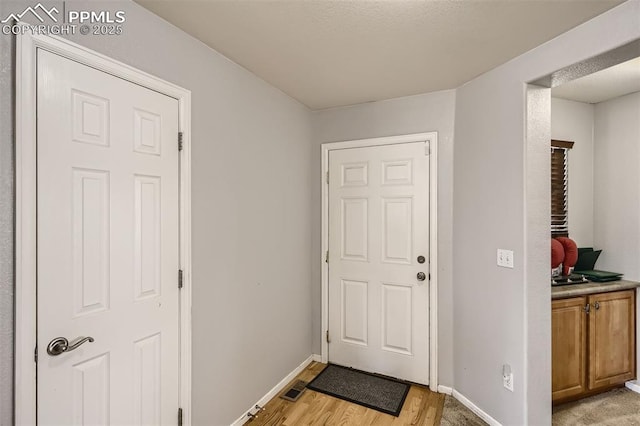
(601, 86)
(329, 53)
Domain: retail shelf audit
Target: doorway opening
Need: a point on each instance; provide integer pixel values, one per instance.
(595, 104)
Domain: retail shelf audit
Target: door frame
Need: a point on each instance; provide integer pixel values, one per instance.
(431, 140)
(25, 387)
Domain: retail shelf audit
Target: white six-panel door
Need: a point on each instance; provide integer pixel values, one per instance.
(107, 248)
(378, 226)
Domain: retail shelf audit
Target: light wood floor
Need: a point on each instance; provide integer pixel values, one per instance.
(422, 407)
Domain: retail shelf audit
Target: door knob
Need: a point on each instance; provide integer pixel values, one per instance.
(421, 276)
(60, 345)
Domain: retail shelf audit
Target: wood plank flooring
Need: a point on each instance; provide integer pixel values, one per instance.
(422, 407)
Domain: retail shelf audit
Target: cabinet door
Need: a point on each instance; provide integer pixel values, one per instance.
(611, 338)
(568, 347)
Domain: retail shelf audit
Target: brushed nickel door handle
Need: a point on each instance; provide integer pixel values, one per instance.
(60, 345)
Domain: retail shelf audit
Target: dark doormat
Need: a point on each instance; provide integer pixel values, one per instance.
(372, 391)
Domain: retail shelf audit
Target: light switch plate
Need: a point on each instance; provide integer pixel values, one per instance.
(505, 258)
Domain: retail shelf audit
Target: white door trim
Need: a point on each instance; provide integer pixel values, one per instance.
(26, 296)
(432, 138)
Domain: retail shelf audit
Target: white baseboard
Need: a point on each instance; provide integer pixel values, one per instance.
(316, 358)
(273, 392)
(445, 390)
(634, 385)
(473, 407)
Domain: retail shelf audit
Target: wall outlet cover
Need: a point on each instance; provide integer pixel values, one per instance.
(507, 381)
(505, 258)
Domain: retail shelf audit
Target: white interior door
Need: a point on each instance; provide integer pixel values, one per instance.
(378, 227)
(107, 248)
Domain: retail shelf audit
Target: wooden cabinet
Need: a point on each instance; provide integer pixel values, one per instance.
(612, 345)
(593, 343)
(568, 347)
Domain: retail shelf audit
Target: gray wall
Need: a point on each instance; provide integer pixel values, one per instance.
(617, 184)
(413, 114)
(6, 226)
(251, 214)
(500, 200)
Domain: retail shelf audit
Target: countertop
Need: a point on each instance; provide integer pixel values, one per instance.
(573, 290)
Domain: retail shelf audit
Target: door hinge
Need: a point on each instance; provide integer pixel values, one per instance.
(180, 279)
(179, 416)
(35, 354)
(427, 148)
(326, 257)
(327, 335)
(327, 178)
(179, 141)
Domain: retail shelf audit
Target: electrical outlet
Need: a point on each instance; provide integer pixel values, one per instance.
(507, 382)
(507, 377)
(505, 258)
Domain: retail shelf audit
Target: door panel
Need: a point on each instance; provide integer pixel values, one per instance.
(107, 248)
(612, 338)
(397, 318)
(147, 380)
(91, 260)
(91, 391)
(397, 235)
(354, 318)
(147, 228)
(354, 229)
(568, 347)
(378, 225)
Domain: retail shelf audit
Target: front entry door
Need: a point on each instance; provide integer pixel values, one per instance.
(107, 248)
(379, 259)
